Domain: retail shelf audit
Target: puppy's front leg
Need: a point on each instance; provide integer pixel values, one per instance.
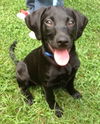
(50, 98)
(70, 86)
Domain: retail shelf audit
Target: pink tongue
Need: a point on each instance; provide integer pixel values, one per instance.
(61, 57)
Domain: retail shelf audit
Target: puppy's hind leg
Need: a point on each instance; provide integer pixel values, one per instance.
(23, 81)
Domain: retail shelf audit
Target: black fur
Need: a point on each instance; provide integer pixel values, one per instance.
(57, 27)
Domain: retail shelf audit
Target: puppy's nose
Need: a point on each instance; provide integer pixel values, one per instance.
(62, 42)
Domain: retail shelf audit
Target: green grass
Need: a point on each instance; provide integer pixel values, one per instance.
(13, 109)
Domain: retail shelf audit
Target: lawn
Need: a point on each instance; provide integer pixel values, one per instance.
(13, 109)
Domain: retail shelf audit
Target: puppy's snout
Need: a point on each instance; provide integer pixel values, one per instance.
(62, 42)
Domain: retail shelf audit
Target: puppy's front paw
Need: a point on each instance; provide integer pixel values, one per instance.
(77, 95)
(58, 113)
(29, 100)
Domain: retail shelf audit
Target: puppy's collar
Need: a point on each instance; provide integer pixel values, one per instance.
(48, 54)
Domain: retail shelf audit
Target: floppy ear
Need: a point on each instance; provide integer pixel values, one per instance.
(81, 21)
(33, 22)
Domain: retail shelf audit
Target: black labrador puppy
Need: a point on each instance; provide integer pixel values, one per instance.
(55, 63)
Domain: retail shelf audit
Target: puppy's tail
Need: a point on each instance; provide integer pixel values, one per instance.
(11, 52)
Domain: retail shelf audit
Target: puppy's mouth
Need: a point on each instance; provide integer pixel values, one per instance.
(61, 56)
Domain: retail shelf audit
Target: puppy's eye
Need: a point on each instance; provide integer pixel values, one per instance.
(49, 22)
(70, 23)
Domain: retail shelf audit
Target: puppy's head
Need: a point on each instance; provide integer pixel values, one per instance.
(57, 27)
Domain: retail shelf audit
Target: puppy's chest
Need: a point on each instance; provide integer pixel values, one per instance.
(57, 76)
